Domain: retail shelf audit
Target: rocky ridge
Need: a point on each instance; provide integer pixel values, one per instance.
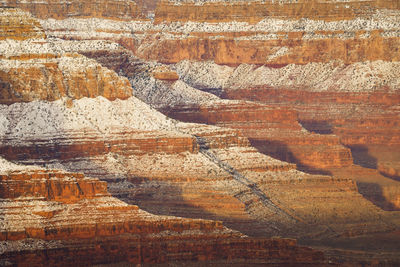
(45, 227)
(143, 155)
(108, 9)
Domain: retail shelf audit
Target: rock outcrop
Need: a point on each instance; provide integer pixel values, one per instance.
(33, 68)
(273, 131)
(326, 88)
(18, 25)
(50, 215)
(255, 11)
(108, 9)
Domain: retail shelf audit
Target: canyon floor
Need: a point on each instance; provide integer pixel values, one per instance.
(199, 133)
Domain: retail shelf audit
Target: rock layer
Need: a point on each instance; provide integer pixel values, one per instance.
(197, 170)
(110, 9)
(255, 11)
(96, 228)
(18, 25)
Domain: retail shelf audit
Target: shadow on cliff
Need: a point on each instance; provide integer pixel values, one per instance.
(362, 157)
(281, 151)
(319, 127)
(374, 193)
(167, 198)
(154, 196)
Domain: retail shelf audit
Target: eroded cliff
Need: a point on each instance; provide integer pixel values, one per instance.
(342, 64)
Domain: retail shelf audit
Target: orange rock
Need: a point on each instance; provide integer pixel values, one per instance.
(62, 187)
(46, 80)
(299, 51)
(253, 12)
(166, 75)
(274, 131)
(18, 25)
(110, 9)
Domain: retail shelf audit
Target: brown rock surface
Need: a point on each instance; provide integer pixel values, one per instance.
(192, 170)
(53, 77)
(35, 69)
(165, 74)
(18, 25)
(234, 51)
(273, 131)
(63, 230)
(50, 186)
(254, 11)
(110, 9)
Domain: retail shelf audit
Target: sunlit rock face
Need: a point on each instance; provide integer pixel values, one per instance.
(108, 9)
(272, 119)
(63, 110)
(56, 213)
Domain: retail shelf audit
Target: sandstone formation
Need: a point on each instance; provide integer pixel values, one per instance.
(357, 103)
(109, 9)
(54, 217)
(18, 25)
(32, 68)
(273, 131)
(255, 11)
(49, 215)
(264, 96)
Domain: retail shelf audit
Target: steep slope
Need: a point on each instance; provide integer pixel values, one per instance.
(58, 218)
(109, 9)
(50, 215)
(192, 170)
(255, 11)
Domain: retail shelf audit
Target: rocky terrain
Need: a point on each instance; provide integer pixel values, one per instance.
(272, 119)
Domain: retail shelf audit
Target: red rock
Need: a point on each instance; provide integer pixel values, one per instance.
(18, 25)
(104, 230)
(230, 51)
(252, 12)
(165, 74)
(273, 131)
(110, 9)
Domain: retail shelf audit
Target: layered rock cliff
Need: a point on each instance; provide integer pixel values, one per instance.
(18, 25)
(109, 9)
(48, 215)
(71, 113)
(255, 11)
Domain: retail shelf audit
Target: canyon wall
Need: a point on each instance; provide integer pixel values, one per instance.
(255, 11)
(326, 93)
(18, 25)
(108, 9)
(33, 69)
(59, 214)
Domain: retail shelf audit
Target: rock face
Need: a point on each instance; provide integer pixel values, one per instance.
(255, 11)
(35, 69)
(273, 131)
(68, 219)
(357, 103)
(59, 214)
(283, 33)
(51, 77)
(19, 25)
(325, 112)
(51, 186)
(109, 9)
(372, 34)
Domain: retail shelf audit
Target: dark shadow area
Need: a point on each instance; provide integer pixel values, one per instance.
(215, 91)
(159, 197)
(281, 151)
(319, 127)
(362, 157)
(373, 192)
(390, 176)
(166, 198)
